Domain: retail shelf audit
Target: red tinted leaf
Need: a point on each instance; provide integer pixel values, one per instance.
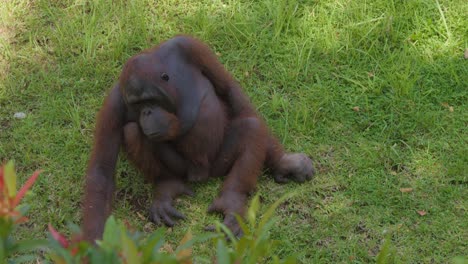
(75, 251)
(2, 181)
(21, 220)
(13, 214)
(25, 188)
(59, 237)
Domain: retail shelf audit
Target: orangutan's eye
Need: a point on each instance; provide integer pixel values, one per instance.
(164, 76)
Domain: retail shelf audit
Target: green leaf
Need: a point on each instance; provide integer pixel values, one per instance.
(196, 239)
(459, 260)
(166, 259)
(222, 254)
(153, 244)
(290, 260)
(263, 233)
(27, 245)
(95, 257)
(228, 232)
(74, 228)
(6, 227)
(253, 209)
(103, 257)
(111, 234)
(129, 249)
(258, 251)
(275, 260)
(3, 254)
(10, 178)
(184, 254)
(242, 245)
(271, 210)
(245, 229)
(23, 208)
(58, 253)
(386, 254)
(57, 259)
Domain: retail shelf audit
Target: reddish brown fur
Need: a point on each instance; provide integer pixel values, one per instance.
(228, 138)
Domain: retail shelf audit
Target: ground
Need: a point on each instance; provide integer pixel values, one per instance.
(375, 91)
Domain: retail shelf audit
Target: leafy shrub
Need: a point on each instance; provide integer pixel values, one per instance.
(119, 245)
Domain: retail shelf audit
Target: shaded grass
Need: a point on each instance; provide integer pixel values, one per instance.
(305, 65)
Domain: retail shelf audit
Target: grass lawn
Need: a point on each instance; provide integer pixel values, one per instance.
(375, 91)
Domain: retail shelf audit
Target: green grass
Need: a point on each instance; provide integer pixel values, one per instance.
(305, 65)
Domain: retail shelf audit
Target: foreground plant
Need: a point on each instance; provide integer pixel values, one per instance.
(11, 215)
(119, 245)
(255, 246)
